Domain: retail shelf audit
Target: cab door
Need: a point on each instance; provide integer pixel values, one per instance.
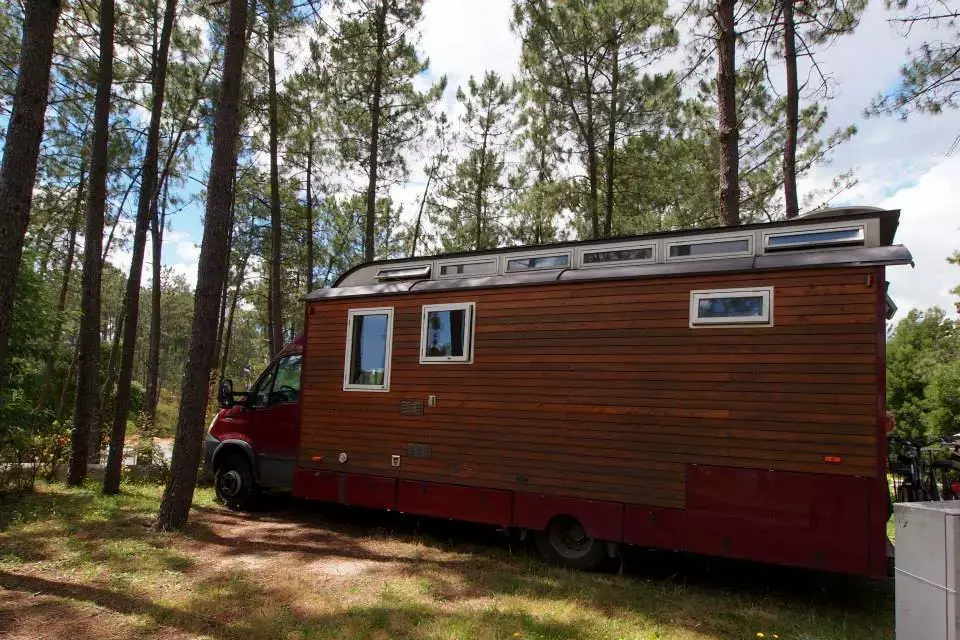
(273, 416)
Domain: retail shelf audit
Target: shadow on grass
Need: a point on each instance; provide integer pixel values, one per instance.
(719, 598)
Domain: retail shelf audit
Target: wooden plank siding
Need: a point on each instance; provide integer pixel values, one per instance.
(602, 390)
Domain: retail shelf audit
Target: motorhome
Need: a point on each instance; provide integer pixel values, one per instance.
(717, 391)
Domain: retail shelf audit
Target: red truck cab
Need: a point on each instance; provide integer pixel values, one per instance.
(252, 441)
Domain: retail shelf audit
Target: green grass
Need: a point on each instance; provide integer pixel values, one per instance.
(80, 565)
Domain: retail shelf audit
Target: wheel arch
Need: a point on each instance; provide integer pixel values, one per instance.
(227, 447)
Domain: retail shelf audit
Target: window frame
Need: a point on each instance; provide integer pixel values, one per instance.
(388, 350)
(748, 252)
(416, 271)
(490, 263)
(763, 320)
(618, 246)
(800, 246)
(545, 253)
(469, 332)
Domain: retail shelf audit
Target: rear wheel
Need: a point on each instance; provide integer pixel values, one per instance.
(566, 543)
(234, 482)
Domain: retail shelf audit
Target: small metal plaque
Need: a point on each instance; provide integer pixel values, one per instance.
(416, 450)
(411, 407)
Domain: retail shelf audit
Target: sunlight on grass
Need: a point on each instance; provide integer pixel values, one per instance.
(82, 555)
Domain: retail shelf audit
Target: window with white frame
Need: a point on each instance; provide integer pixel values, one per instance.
(369, 344)
(731, 306)
(541, 262)
(838, 237)
(712, 248)
(446, 333)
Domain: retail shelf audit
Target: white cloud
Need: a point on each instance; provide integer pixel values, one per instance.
(930, 228)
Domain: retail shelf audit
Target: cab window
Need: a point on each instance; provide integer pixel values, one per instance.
(286, 384)
(261, 395)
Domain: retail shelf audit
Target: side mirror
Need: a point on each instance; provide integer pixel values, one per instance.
(225, 394)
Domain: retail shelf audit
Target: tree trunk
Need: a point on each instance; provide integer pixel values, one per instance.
(228, 335)
(369, 234)
(88, 340)
(310, 214)
(131, 299)
(611, 141)
(276, 293)
(156, 292)
(21, 150)
(64, 288)
(212, 269)
(793, 113)
(478, 195)
(728, 125)
(107, 395)
(65, 387)
(592, 169)
(423, 201)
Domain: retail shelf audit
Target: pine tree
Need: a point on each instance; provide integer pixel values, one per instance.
(21, 150)
(377, 113)
(472, 204)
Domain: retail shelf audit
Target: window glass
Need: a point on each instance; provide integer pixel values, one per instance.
(694, 249)
(286, 385)
(618, 255)
(445, 333)
(487, 267)
(368, 352)
(261, 397)
(815, 238)
(732, 307)
(404, 273)
(538, 262)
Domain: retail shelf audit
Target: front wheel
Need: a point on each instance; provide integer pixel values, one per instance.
(233, 482)
(566, 543)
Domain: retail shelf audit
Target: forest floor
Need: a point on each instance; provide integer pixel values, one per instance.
(77, 565)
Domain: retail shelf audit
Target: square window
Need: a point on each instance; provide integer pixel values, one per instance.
(446, 333)
(369, 345)
(731, 306)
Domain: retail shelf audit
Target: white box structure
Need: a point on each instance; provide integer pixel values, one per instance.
(927, 550)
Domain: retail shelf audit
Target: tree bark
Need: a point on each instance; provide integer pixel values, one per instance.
(728, 125)
(423, 202)
(478, 195)
(310, 214)
(276, 293)
(611, 140)
(592, 169)
(156, 292)
(21, 150)
(107, 395)
(131, 299)
(65, 387)
(369, 234)
(212, 269)
(64, 287)
(88, 359)
(793, 113)
(228, 335)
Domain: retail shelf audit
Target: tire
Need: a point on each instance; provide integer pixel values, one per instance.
(234, 483)
(565, 543)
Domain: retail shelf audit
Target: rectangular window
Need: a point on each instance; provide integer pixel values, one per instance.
(617, 255)
(731, 306)
(472, 268)
(809, 239)
(710, 249)
(446, 333)
(369, 343)
(538, 263)
(404, 273)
